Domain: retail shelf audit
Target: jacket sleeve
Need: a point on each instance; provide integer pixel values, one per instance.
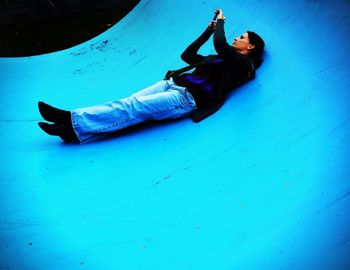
(190, 55)
(224, 50)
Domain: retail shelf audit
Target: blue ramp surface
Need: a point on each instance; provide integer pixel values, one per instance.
(262, 184)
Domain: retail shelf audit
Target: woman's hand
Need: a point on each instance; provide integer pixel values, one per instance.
(220, 14)
(212, 25)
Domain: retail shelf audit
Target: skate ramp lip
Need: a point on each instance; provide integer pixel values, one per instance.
(260, 184)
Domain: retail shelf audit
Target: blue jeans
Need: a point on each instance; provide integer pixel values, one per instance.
(163, 100)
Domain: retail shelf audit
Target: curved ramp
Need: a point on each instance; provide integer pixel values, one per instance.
(262, 184)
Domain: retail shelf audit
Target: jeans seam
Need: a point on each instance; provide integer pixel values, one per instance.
(109, 126)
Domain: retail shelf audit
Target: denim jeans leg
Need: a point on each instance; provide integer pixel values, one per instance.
(158, 87)
(166, 103)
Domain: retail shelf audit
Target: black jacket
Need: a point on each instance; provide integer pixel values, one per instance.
(236, 69)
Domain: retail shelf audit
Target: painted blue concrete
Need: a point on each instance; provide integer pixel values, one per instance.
(262, 184)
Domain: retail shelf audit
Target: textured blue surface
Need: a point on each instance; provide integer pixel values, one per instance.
(262, 184)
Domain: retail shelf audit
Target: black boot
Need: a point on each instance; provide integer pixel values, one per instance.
(53, 114)
(64, 131)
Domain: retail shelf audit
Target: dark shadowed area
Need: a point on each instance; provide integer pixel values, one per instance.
(32, 27)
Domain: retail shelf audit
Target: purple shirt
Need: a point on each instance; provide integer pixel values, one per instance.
(202, 82)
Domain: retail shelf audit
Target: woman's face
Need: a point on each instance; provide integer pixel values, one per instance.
(242, 44)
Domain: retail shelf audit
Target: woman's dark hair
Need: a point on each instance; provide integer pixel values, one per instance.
(256, 54)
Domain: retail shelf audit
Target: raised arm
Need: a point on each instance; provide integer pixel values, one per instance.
(190, 55)
(224, 50)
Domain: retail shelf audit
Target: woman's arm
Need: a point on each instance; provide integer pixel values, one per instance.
(190, 55)
(224, 50)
